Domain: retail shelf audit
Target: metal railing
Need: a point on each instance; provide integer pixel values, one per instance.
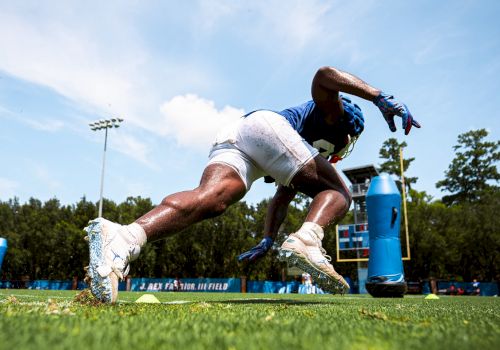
(359, 189)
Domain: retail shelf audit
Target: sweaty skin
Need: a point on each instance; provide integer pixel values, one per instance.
(220, 185)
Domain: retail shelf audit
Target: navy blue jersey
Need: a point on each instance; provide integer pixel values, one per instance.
(309, 121)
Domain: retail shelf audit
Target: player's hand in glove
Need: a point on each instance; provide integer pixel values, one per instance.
(258, 251)
(391, 107)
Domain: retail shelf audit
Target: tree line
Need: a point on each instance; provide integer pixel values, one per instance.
(457, 236)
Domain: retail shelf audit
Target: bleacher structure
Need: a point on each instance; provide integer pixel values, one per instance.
(353, 240)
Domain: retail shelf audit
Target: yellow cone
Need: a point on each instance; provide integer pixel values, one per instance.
(431, 297)
(148, 298)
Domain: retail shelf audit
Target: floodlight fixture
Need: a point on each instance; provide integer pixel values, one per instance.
(99, 125)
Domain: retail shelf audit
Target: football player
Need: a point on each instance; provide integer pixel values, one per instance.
(289, 146)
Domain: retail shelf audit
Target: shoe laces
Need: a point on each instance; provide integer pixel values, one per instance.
(323, 252)
(120, 264)
(320, 246)
(121, 275)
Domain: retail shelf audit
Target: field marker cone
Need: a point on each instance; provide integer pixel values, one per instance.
(432, 297)
(148, 298)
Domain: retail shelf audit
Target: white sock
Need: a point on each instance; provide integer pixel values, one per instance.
(138, 234)
(312, 229)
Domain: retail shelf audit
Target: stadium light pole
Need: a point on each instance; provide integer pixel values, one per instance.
(100, 125)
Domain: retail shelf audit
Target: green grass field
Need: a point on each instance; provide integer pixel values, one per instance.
(53, 320)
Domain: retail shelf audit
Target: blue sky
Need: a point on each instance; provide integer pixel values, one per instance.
(177, 71)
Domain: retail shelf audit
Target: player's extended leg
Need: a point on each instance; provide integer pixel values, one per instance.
(220, 186)
(113, 246)
(331, 200)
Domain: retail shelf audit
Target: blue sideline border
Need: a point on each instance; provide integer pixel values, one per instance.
(229, 285)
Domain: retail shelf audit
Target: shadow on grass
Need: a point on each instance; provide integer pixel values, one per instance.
(272, 301)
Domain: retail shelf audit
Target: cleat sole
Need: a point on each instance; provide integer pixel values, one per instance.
(323, 280)
(101, 287)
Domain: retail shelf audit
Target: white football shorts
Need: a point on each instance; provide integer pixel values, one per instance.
(263, 143)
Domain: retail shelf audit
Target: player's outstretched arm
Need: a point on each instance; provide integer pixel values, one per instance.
(276, 214)
(389, 107)
(329, 81)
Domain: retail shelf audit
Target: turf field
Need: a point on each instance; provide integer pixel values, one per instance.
(54, 320)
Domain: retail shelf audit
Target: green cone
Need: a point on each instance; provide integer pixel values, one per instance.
(431, 297)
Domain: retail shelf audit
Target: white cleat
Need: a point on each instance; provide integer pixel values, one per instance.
(304, 250)
(110, 254)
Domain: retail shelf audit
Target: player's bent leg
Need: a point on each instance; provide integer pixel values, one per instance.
(331, 197)
(111, 248)
(304, 250)
(331, 200)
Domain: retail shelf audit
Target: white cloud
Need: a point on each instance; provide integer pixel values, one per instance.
(97, 57)
(7, 188)
(132, 147)
(50, 125)
(194, 121)
(54, 56)
(272, 24)
(46, 125)
(298, 23)
(97, 60)
(291, 28)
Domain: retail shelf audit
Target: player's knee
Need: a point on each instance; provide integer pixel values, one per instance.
(218, 208)
(213, 203)
(176, 204)
(213, 208)
(341, 195)
(201, 204)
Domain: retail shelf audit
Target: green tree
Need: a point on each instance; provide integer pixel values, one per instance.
(46, 240)
(434, 238)
(473, 171)
(477, 240)
(392, 165)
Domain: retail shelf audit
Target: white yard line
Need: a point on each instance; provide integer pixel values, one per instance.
(35, 296)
